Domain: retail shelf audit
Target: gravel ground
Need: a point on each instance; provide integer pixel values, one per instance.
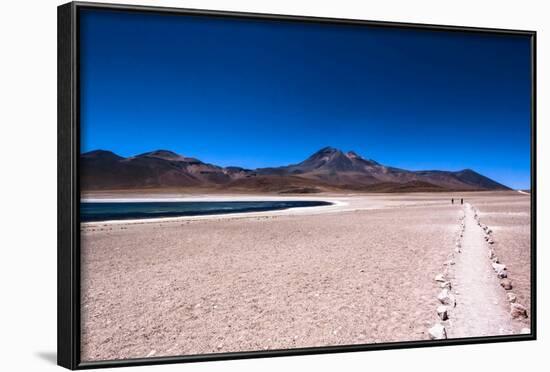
(509, 218)
(195, 286)
(482, 308)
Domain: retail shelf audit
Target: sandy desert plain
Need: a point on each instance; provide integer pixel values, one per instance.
(371, 268)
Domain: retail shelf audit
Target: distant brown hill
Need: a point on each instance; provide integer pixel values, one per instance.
(328, 169)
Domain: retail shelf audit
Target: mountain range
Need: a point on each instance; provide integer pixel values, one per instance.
(328, 169)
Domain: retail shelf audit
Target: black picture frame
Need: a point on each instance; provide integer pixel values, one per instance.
(68, 253)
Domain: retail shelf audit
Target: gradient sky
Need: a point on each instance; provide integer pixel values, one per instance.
(256, 94)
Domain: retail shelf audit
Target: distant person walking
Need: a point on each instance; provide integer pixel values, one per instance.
(452, 201)
(461, 201)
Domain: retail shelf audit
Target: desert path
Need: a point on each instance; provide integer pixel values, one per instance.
(481, 308)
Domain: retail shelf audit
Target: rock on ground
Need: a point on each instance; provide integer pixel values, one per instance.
(444, 296)
(498, 267)
(506, 284)
(437, 332)
(442, 312)
(518, 311)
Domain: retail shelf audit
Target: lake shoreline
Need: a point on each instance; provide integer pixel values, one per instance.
(106, 211)
(336, 204)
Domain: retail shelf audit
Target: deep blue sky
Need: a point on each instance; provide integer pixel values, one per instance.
(256, 94)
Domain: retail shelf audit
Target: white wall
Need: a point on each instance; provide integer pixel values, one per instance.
(28, 182)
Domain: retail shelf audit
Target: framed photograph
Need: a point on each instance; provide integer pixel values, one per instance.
(237, 185)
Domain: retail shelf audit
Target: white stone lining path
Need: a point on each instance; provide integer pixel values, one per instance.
(475, 297)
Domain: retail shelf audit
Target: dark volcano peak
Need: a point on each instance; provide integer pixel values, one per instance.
(328, 158)
(163, 154)
(168, 155)
(328, 149)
